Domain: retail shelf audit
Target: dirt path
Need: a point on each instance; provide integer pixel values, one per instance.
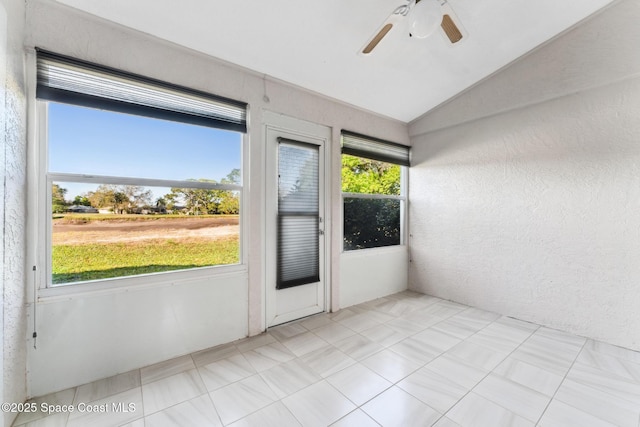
(135, 231)
(188, 223)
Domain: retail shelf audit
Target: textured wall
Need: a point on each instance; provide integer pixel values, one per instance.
(601, 50)
(372, 273)
(61, 29)
(3, 119)
(67, 31)
(83, 339)
(12, 194)
(525, 190)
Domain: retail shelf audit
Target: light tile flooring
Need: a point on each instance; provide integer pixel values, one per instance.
(403, 360)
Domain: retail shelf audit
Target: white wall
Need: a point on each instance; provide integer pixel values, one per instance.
(78, 335)
(12, 206)
(368, 274)
(3, 118)
(98, 335)
(526, 189)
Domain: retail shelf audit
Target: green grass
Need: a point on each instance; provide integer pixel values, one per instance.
(74, 263)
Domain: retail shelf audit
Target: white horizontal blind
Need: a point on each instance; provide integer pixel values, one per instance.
(373, 148)
(298, 214)
(72, 81)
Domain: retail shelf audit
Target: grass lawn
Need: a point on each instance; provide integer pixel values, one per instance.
(92, 261)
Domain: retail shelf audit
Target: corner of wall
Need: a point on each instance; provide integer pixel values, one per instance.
(556, 68)
(522, 194)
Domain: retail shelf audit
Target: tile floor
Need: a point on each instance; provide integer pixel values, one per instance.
(403, 360)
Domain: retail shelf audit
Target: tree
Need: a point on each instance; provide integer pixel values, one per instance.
(360, 175)
(121, 198)
(161, 205)
(199, 201)
(135, 197)
(370, 222)
(171, 201)
(102, 197)
(232, 177)
(228, 202)
(58, 203)
(81, 200)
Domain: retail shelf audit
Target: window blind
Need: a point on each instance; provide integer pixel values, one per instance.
(375, 149)
(72, 81)
(298, 214)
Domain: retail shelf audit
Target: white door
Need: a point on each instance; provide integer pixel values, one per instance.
(295, 212)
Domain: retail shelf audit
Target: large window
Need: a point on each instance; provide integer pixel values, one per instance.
(373, 191)
(141, 176)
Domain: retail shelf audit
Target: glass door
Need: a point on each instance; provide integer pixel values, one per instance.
(296, 277)
(298, 214)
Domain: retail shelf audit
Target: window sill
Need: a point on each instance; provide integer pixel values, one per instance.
(378, 250)
(127, 284)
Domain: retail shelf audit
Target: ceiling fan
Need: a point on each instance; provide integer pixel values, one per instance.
(424, 18)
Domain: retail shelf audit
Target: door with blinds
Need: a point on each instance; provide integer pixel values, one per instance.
(298, 261)
(296, 223)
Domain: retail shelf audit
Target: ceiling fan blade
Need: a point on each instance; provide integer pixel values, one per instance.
(451, 25)
(377, 38)
(450, 29)
(391, 21)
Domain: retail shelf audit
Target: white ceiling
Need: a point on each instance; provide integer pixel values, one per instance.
(315, 44)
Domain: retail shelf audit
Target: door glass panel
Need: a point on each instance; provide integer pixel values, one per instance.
(298, 214)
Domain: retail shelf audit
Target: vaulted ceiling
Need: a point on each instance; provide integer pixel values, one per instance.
(316, 44)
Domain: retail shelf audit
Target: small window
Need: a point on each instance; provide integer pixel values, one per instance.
(373, 191)
(142, 177)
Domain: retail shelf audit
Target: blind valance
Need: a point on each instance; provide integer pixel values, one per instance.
(373, 148)
(73, 81)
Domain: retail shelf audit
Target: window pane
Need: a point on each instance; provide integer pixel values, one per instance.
(360, 175)
(298, 214)
(105, 231)
(298, 253)
(371, 223)
(97, 142)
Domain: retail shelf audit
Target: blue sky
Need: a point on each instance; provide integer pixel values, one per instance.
(97, 142)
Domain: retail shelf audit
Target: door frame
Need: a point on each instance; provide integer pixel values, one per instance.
(302, 131)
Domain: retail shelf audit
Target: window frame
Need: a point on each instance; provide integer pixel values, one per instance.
(40, 182)
(402, 197)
